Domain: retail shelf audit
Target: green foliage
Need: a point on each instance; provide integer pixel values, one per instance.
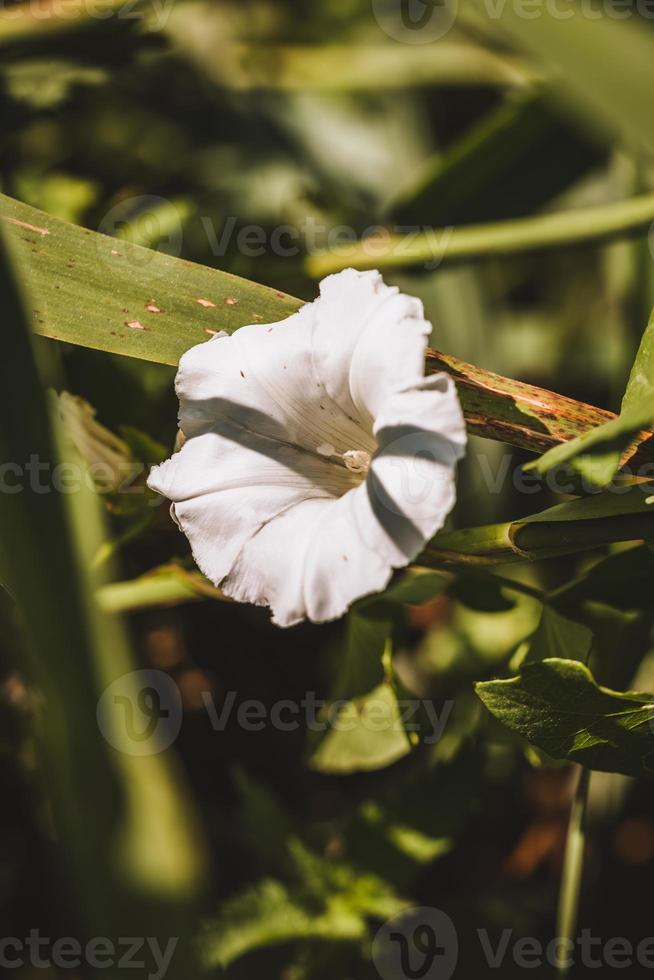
(122, 872)
(92, 290)
(163, 132)
(559, 707)
(596, 456)
(529, 154)
(559, 638)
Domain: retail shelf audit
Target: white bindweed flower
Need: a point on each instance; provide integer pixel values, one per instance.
(318, 456)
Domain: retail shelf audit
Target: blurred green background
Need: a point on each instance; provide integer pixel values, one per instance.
(180, 127)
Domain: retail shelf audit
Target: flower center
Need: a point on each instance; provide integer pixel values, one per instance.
(355, 460)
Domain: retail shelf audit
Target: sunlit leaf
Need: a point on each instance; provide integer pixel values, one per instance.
(558, 707)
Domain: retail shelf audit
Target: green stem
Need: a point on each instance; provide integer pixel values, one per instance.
(573, 864)
(168, 585)
(495, 544)
(440, 246)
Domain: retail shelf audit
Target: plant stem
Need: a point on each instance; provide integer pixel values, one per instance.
(565, 229)
(573, 863)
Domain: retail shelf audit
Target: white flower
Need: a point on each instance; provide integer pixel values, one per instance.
(318, 457)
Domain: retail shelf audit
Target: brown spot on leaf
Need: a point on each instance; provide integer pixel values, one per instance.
(208, 305)
(24, 224)
(212, 333)
(134, 325)
(151, 308)
(230, 301)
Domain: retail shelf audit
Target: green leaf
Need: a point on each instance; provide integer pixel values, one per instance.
(133, 856)
(596, 456)
(365, 735)
(558, 706)
(511, 163)
(468, 243)
(557, 637)
(622, 581)
(86, 289)
(365, 727)
(328, 902)
(602, 64)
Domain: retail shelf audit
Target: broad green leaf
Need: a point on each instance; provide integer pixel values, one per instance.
(596, 456)
(99, 292)
(558, 706)
(365, 735)
(327, 902)
(511, 163)
(132, 849)
(604, 62)
(559, 638)
(368, 730)
(365, 728)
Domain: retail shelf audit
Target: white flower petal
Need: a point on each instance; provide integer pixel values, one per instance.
(263, 377)
(226, 483)
(368, 340)
(319, 458)
(318, 557)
